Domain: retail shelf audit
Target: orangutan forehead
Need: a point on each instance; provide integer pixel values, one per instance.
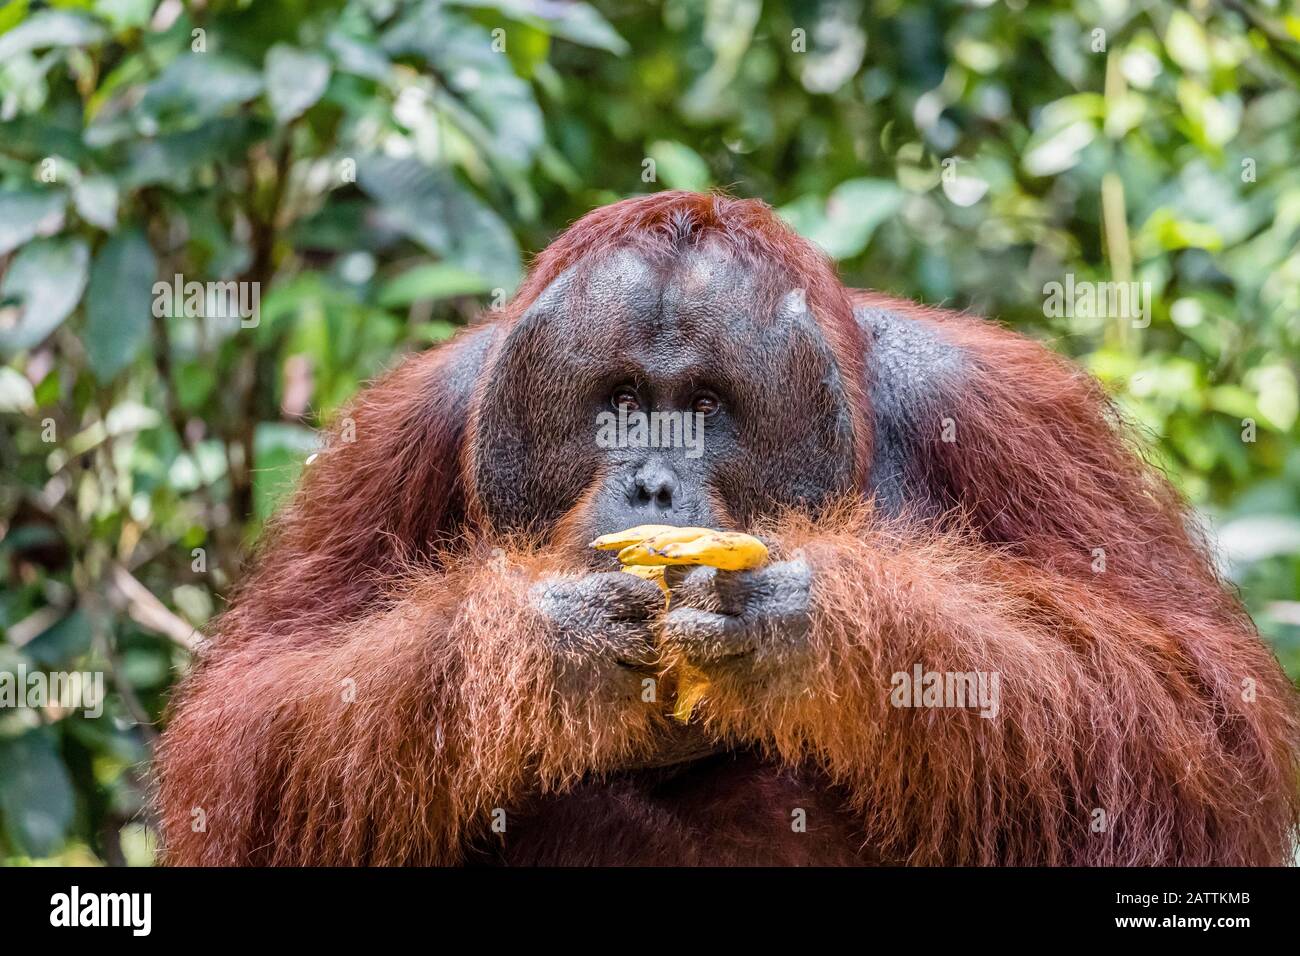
(704, 292)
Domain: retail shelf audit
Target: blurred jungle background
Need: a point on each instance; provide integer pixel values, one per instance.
(383, 169)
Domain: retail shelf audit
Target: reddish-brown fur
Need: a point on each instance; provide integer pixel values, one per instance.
(382, 682)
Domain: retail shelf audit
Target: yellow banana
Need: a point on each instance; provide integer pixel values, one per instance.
(725, 550)
(692, 687)
(621, 539)
(649, 572)
(647, 549)
(655, 574)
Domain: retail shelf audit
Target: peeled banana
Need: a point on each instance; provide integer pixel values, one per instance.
(647, 549)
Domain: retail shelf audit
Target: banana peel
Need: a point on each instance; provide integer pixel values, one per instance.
(647, 550)
(692, 687)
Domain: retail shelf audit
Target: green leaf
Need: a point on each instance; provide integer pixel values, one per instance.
(62, 643)
(42, 286)
(194, 385)
(11, 14)
(1215, 121)
(50, 28)
(295, 80)
(48, 389)
(1233, 400)
(1187, 43)
(1058, 150)
(581, 23)
(528, 49)
(575, 22)
(28, 213)
(95, 198)
(126, 14)
(196, 87)
(144, 670)
(36, 797)
(844, 224)
(433, 208)
(103, 736)
(1165, 230)
(358, 56)
(429, 283)
(175, 158)
(492, 105)
(1279, 397)
(678, 166)
(119, 303)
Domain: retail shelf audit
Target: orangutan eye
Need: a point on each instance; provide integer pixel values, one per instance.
(706, 403)
(625, 398)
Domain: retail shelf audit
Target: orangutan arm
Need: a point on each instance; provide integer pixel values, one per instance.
(1093, 706)
(1139, 719)
(392, 740)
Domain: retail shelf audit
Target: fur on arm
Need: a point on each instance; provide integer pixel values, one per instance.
(1131, 681)
(388, 740)
(385, 490)
(382, 680)
(1100, 705)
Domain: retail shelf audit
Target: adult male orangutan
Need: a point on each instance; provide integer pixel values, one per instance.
(428, 664)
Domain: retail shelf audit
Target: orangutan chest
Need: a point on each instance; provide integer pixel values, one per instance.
(727, 809)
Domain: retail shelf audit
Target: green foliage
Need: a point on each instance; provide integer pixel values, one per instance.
(377, 168)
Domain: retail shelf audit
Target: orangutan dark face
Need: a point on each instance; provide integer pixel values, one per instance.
(693, 390)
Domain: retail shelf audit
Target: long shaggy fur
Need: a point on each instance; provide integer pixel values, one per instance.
(1128, 709)
(390, 740)
(381, 683)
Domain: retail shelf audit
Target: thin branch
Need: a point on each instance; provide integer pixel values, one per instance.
(150, 613)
